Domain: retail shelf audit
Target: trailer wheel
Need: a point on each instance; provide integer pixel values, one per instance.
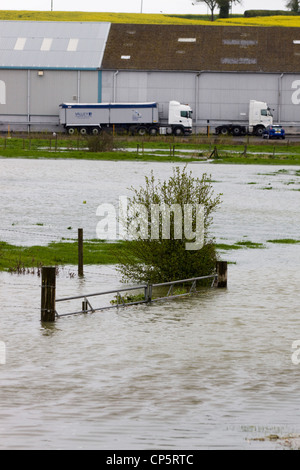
(96, 130)
(224, 130)
(142, 131)
(83, 131)
(71, 130)
(236, 131)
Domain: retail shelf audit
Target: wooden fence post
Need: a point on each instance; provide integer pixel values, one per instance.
(48, 294)
(222, 273)
(80, 252)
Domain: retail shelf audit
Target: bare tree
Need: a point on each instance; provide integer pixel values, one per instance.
(212, 4)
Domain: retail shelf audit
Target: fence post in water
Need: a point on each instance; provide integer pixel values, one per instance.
(222, 273)
(148, 293)
(48, 294)
(80, 252)
(84, 306)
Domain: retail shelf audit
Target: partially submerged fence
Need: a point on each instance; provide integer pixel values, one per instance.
(49, 301)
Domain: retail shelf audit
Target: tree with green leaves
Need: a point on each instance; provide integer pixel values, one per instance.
(150, 255)
(293, 5)
(224, 7)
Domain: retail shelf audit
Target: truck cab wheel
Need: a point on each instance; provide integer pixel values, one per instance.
(178, 131)
(259, 131)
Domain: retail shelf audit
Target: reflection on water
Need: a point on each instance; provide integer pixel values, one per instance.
(212, 371)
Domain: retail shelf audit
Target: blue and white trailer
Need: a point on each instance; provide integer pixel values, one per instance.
(135, 118)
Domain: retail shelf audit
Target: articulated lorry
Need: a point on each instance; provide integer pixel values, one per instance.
(135, 118)
(260, 116)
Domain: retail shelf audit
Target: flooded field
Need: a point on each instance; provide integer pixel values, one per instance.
(208, 372)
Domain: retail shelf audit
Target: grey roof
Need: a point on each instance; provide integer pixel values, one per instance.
(63, 45)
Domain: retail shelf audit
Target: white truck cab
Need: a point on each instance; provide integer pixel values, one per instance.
(180, 118)
(260, 116)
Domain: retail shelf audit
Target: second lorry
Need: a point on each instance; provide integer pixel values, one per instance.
(135, 118)
(259, 118)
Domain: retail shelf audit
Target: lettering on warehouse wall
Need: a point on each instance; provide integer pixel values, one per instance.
(2, 92)
(296, 94)
(2, 353)
(296, 353)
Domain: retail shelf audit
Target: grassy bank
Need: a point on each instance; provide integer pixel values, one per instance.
(164, 149)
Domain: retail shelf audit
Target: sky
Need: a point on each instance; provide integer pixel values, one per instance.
(134, 6)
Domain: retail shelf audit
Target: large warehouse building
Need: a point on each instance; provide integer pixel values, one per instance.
(217, 70)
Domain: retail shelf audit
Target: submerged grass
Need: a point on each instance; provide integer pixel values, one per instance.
(239, 245)
(284, 241)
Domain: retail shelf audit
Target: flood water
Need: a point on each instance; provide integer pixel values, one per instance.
(213, 371)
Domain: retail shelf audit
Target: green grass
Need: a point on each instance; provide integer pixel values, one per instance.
(16, 258)
(160, 148)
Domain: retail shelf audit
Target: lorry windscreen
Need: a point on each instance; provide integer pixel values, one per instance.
(266, 112)
(186, 114)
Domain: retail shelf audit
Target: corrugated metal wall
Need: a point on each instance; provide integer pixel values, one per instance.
(26, 96)
(217, 97)
(33, 96)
